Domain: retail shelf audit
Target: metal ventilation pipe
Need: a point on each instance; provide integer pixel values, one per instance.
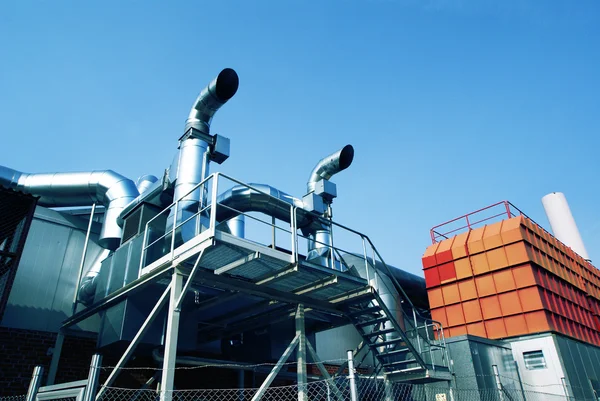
(145, 182)
(79, 189)
(330, 165)
(320, 242)
(194, 149)
(562, 222)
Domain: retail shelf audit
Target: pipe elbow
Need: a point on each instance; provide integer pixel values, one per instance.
(215, 95)
(330, 165)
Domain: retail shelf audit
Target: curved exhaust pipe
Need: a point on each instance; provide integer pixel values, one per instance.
(194, 148)
(215, 95)
(108, 188)
(320, 242)
(330, 165)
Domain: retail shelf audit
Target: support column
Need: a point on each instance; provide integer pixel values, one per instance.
(301, 354)
(241, 384)
(171, 336)
(60, 338)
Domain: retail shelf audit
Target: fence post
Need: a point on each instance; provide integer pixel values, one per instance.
(93, 378)
(498, 383)
(520, 381)
(353, 391)
(34, 384)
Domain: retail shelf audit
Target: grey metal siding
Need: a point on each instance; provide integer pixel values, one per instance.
(42, 294)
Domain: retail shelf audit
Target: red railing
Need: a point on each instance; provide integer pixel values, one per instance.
(497, 211)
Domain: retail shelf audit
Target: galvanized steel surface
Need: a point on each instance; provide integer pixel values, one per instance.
(330, 165)
(111, 189)
(42, 293)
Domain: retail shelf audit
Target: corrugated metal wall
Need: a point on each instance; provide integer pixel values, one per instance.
(42, 293)
(581, 363)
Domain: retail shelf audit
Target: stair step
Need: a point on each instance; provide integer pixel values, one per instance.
(407, 370)
(394, 352)
(405, 362)
(365, 311)
(372, 322)
(381, 332)
(389, 342)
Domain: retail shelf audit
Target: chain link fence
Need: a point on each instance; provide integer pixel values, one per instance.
(14, 398)
(339, 389)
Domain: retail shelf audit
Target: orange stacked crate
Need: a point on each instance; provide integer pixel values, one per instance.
(511, 278)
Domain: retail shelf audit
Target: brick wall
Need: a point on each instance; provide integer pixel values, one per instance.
(22, 350)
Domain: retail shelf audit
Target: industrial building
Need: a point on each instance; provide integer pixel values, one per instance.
(109, 284)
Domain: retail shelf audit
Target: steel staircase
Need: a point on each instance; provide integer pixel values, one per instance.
(408, 348)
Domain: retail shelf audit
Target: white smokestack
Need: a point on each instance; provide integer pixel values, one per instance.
(562, 222)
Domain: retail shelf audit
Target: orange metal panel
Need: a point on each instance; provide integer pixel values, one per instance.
(472, 311)
(428, 258)
(467, 290)
(443, 254)
(455, 316)
(479, 263)
(447, 272)
(512, 230)
(491, 236)
(509, 303)
(463, 268)
(459, 246)
(439, 314)
(497, 258)
(504, 280)
(435, 297)
(475, 243)
(490, 307)
(451, 294)
(530, 299)
(477, 329)
(495, 328)
(537, 322)
(432, 277)
(524, 275)
(459, 331)
(515, 325)
(485, 285)
(517, 253)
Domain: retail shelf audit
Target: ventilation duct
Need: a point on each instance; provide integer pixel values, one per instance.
(320, 241)
(145, 182)
(197, 147)
(79, 189)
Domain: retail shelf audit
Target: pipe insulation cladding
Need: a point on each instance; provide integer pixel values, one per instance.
(108, 188)
(562, 222)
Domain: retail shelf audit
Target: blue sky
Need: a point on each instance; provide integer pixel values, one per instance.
(450, 105)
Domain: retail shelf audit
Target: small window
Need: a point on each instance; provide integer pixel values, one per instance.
(534, 360)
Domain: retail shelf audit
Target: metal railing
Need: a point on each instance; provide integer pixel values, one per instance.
(171, 228)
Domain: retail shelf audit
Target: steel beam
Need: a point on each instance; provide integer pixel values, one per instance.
(279, 275)
(301, 354)
(60, 338)
(216, 300)
(34, 384)
(127, 354)
(323, 370)
(237, 263)
(280, 363)
(115, 296)
(171, 337)
(189, 281)
(262, 291)
(317, 285)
